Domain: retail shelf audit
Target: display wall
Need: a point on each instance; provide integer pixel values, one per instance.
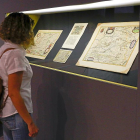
(84, 108)
(69, 107)
(65, 22)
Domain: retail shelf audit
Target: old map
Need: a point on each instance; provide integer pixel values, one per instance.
(74, 35)
(44, 42)
(113, 47)
(62, 56)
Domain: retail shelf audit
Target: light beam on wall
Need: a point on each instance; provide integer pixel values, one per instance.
(91, 6)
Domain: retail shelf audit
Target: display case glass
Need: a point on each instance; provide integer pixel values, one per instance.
(65, 22)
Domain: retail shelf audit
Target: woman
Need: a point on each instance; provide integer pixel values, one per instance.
(16, 73)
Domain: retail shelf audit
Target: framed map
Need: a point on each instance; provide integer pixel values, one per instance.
(62, 56)
(44, 42)
(113, 47)
(74, 35)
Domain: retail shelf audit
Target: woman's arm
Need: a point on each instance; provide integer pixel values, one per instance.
(14, 84)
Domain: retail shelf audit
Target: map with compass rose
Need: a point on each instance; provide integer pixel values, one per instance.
(113, 47)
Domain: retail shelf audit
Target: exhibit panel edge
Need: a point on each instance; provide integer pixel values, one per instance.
(128, 3)
(97, 79)
(90, 6)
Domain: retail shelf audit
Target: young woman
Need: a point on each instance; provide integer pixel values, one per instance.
(16, 73)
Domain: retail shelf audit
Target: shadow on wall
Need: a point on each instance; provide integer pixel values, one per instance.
(51, 108)
(62, 107)
(62, 118)
(1, 130)
(81, 123)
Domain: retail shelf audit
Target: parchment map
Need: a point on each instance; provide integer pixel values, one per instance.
(113, 47)
(74, 35)
(44, 42)
(62, 56)
(77, 30)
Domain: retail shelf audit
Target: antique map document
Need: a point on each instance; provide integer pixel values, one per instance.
(62, 56)
(74, 35)
(113, 47)
(44, 42)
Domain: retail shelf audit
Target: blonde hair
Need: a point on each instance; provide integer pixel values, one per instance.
(17, 28)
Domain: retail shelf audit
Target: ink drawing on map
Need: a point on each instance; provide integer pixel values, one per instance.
(62, 56)
(44, 42)
(74, 35)
(113, 47)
